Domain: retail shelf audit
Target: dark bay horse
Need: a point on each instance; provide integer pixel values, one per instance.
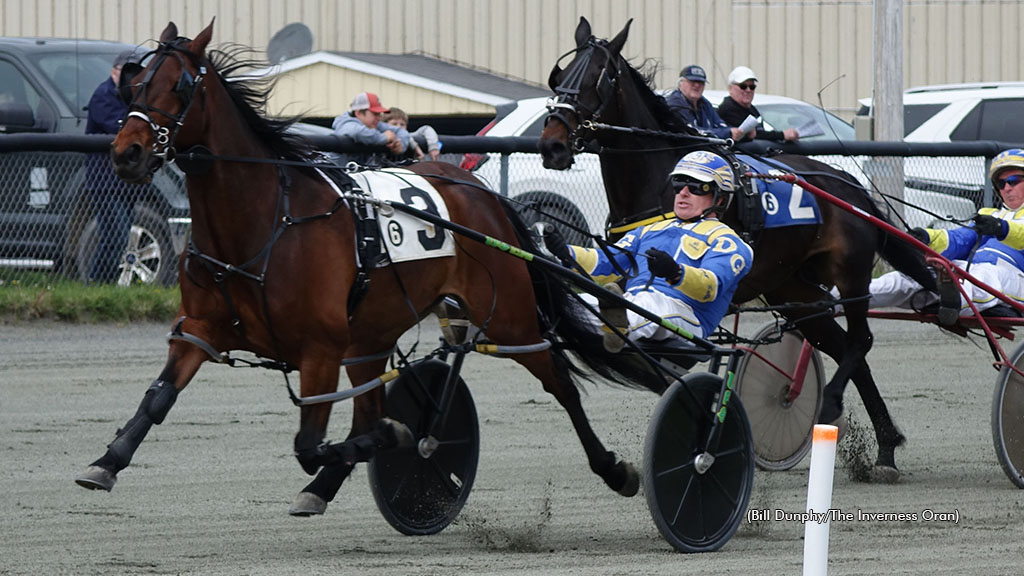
(271, 265)
(796, 264)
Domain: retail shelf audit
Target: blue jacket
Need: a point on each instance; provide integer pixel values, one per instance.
(703, 118)
(712, 256)
(105, 112)
(957, 244)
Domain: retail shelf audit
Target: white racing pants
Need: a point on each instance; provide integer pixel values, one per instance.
(897, 290)
(675, 311)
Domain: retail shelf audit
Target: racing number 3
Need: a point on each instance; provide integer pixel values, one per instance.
(429, 242)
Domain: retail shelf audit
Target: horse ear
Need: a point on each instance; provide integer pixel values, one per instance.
(582, 32)
(198, 46)
(620, 39)
(169, 33)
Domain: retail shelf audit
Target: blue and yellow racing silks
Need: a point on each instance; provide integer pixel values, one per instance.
(957, 244)
(712, 256)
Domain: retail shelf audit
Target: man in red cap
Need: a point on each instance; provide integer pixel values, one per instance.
(362, 125)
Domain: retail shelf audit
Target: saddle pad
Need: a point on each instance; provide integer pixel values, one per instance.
(784, 204)
(407, 237)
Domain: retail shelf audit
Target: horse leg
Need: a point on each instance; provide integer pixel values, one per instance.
(183, 361)
(370, 432)
(618, 474)
(849, 349)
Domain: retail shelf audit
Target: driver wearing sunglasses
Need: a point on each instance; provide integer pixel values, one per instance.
(684, 267)
(739, 104)
(992, 246)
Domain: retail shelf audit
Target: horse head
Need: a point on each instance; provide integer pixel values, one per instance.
(160, 94)
(600, 98)
(586, 90)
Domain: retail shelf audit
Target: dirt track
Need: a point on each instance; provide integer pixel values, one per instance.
(209, 490)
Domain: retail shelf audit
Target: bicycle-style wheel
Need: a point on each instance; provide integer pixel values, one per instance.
(697, 505)
(1008, 419)
(782, 425)
(420, 495)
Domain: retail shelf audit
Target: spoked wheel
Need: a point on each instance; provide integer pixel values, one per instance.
(781, 417)
(420, 492)
(697, 508)
(1008, 419)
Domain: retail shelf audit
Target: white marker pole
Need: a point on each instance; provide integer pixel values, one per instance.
(819, 499)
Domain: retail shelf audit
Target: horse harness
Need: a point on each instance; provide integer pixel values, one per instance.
(187, 87)
(369, 253)
(566, 99)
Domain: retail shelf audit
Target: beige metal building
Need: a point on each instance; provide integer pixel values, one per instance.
(799, 48)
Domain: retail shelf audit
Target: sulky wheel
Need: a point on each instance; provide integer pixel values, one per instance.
(696, 507)
(782, 420)
(422, 494)
(1008, 419)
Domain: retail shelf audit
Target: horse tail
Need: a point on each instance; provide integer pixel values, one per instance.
(901, 255)
(561, 320)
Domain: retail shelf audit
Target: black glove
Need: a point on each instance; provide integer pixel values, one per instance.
(991, 226)
(555, 243)
(919, 234)
(663, 266)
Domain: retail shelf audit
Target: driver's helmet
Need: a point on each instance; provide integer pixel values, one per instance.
(706, 173)
(1012, 158)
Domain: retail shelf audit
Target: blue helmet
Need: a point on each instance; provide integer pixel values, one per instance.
(1012, 158)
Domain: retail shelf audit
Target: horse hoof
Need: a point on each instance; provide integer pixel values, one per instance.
(881, 474)
(842, 424)
(307, 504)
(96, 478)
(403, 435)
(632, 484)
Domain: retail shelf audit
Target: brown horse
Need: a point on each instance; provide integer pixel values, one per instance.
(639, 145)
(271, 266)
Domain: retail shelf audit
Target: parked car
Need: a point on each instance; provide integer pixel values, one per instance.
(577, 195)
(45, 217)
(958, 113)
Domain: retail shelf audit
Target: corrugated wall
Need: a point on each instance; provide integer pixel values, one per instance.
(325, 90)
(798, 47)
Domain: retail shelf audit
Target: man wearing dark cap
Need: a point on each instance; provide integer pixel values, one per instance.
(362, 125)
(112, 199)
(689, 103)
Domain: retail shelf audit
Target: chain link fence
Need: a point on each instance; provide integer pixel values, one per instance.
(49, 222)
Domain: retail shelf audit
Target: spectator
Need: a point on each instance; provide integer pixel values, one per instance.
(362, 125)
(688, 101)
(111, 198)
(739, 104)
(399, 119)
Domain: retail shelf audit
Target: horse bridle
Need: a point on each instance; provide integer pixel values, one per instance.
(566, 99)
(186, 88)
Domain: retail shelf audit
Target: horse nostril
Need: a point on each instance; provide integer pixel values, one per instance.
(131, 155)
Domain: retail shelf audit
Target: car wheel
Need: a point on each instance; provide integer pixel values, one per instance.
(553, 209)
(148, 257)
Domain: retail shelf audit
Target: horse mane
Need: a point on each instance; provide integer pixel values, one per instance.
(250, 95)
(643, 76)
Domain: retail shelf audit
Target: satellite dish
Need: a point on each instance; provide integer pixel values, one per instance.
(292, 41)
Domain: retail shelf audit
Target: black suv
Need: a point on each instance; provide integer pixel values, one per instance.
(45, 217)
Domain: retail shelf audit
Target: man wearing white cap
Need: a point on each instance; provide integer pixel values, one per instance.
(739, 104)
(362, 125)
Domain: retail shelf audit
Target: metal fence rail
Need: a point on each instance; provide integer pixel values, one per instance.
(48, 219)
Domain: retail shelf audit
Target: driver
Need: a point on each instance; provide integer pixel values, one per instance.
(991, 250)
(692, 263)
